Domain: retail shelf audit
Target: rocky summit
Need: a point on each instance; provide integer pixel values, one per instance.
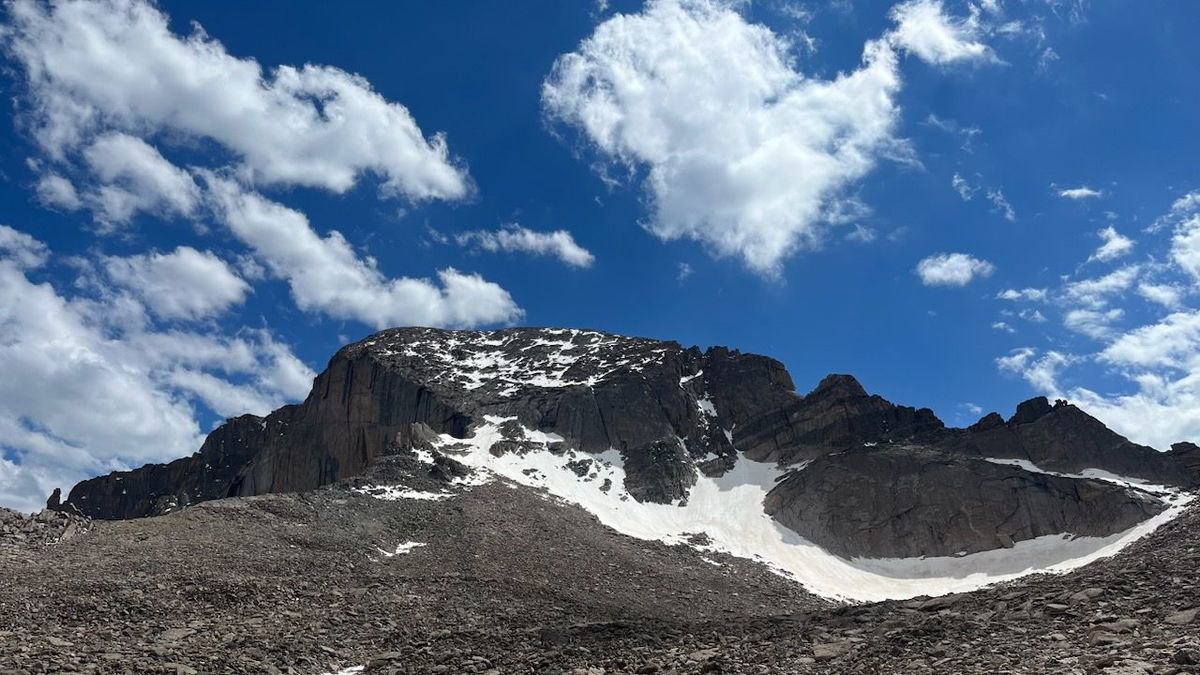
(572, 501)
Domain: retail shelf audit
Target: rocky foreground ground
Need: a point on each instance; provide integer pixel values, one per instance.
(508, 581)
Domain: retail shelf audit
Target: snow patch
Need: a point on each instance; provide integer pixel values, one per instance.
(393, 493)
(511, 361)
(401, 548)
(712, 503)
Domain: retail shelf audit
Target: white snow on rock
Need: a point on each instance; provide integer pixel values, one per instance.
(713, 503)
(1094, 474)
(508, 362)
(393, 493)
(401, 548)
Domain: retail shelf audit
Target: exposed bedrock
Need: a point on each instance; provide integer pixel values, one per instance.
(907, 501)
(836, 415)
(1065, 439)
(596, 390)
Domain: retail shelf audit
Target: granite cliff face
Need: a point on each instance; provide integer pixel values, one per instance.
(595, 390)
(908, 502)
(867, 477)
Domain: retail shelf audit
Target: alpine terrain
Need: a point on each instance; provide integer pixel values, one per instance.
(572, 501)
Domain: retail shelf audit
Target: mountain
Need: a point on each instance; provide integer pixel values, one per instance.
(666, 442)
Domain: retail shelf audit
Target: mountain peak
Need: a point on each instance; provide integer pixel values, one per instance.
(1031, 410)
(840, 385)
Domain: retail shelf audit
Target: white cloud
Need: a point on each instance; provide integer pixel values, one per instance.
(1001, 204)
(1093, 323)
(684, 271)
(1095, 293)
(952, 269)
(89, 385)
(1077, 193)
(1029, 294)
(924, 29)
(558, 243)
(1173, 342)
(1115, 245)
(1185, 246)
(1041, 372)
(22, 250)
(326, 275)
(1003, 326)
(57, 192)
(1046, 58)
(1162, 361)
(861, 234)
(115, 63)
(967, 134)
(742, 151)
(963, 188)
(136, 177)
(183, 284)
(1169, 296)
(1032, 315)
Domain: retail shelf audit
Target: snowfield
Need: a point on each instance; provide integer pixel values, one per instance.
(754, 535)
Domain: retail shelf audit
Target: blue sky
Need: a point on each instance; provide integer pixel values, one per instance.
(962, 203)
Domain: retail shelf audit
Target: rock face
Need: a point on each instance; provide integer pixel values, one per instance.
(909, 502)
(1063, 438)
(673, 414)
(651, 400)
(836, 415)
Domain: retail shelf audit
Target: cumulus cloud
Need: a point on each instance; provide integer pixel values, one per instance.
(1185, 246)
(1115, 245)
(107, 78)
(923, 28)
(1030, 294)
(1169, 296)
(1092, 323)
(116, 64)
(952, 269)
(1040, 371)
(90, 385)
(182, 284)
(1095, 293)
(741, 151)
(135, 177)
(1162, 362)
(57, 192)
(1078, 193)
(1173, 342)
(559, 243)
(21, 250)
(327, 276)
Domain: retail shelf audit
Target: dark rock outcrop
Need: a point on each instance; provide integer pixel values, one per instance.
(596, 390)
(904, 502)
(1065, 439)
(836, 415)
